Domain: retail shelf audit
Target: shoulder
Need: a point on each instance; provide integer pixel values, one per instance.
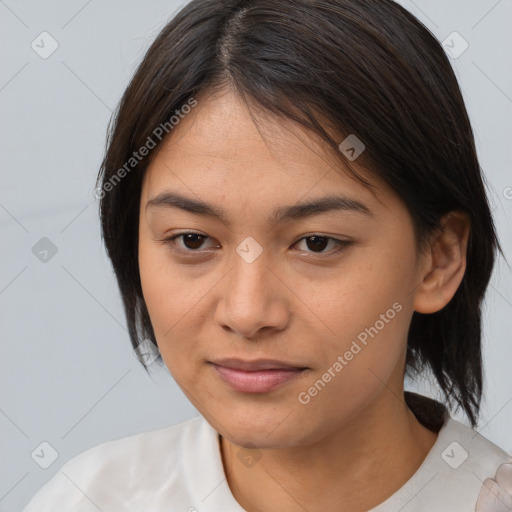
(463, 472)
(464, 467)
(487, 465)
(476, 452)
(121, 473)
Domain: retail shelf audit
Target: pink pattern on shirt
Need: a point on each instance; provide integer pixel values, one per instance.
(496, 493)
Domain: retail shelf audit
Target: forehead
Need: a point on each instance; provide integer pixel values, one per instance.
(224, 151)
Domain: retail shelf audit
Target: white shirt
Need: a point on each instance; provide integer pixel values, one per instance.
(179, 469)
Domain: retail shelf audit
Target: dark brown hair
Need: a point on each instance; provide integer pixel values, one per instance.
(365, 68)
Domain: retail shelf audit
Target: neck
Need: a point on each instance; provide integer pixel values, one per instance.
(385, 446)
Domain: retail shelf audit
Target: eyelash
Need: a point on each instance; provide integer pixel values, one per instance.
(341, 244)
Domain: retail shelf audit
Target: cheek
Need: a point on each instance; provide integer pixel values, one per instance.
(361, 349)
(363, 316)
(352, 298)
(175, 304)
(161, 291)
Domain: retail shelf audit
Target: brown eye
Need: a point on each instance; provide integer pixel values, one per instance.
(317, 244)
(192, 240)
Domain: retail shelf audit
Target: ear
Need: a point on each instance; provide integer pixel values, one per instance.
(444, 264)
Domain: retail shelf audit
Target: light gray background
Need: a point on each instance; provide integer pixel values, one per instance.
(68, 375)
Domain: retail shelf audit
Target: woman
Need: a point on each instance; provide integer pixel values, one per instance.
(296, 216)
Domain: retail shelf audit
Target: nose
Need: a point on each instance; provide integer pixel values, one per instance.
(254, 300)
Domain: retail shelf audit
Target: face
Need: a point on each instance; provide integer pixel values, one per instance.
(325, 293)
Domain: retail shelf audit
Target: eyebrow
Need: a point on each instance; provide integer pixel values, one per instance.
(281, 214)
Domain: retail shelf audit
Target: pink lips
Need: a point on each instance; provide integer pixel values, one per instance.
(258, 376)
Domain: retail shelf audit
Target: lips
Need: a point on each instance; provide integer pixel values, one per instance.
(260, 376)
(259, 364)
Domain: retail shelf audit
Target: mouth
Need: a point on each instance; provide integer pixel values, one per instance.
(259, 376)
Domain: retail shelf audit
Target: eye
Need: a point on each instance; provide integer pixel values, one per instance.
(190, 241)
(318, 243)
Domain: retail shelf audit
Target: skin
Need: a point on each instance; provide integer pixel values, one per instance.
(356, 442)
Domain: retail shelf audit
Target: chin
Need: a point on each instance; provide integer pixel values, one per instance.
(262, 427)
(249, 438)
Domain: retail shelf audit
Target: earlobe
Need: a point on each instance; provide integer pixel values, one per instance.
(444, 264)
